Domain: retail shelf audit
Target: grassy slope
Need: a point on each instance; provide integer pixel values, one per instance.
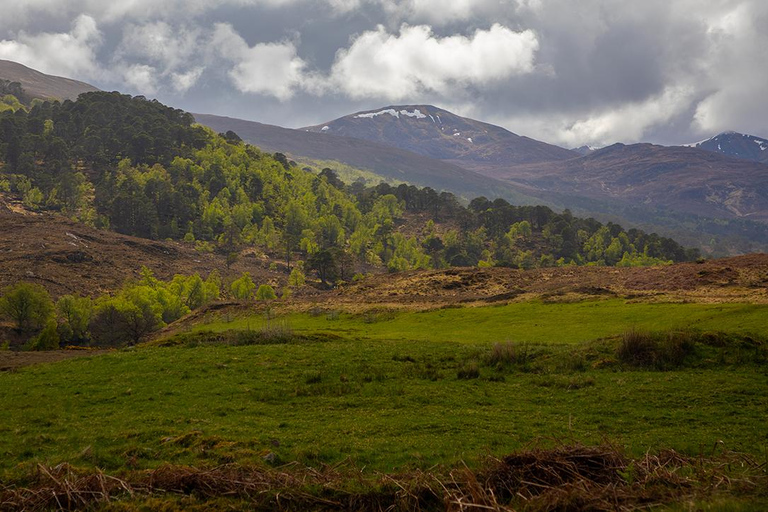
(385, 404)
(536, 322)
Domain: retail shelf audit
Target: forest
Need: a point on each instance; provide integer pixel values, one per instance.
(138, 167)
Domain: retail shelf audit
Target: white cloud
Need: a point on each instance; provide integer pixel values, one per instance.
(161, 43)
(70, 54)
(736, 71)
(271, 69)
(141, 77)
(182, 82)
(628, 122)
(379, 64)
(157, 55)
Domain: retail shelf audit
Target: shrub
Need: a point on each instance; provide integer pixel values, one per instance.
(509, 354)
(658, 350)
(468, 371)
(48, 339)
(75, 313)
(265, 292)
(243, 287)
(28, 305)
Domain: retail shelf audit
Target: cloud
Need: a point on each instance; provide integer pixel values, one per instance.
(592, 71)
(441, 12)
(379, 64)
(68, 54)
(156, 55)
(627, 122)
(182, 82)
(736, 71)
(270, 69)
(141, 77)
(159, 42)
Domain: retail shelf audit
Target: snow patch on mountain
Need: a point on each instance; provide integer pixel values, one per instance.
(394, 113)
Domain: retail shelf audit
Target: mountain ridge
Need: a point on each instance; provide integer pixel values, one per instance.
(736, 145)
(41, 85)
(386, 161)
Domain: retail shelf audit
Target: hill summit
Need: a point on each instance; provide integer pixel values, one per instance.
(736, 145)
(440, 134)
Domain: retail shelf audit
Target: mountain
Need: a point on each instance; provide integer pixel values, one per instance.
(585, 150)
(736, 145)
(682, 179)
(388, 162)
(439, 134)
(39, 85)
(698, 197)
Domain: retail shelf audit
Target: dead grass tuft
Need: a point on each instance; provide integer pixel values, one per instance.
(597, 478)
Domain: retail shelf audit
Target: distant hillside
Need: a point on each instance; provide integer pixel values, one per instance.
(684, 193)
(69, 257)
(736, 145)
(389, 162)
(680, 179)
(437, 133)
(39, 85)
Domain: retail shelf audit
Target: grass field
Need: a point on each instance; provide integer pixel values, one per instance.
(393, 391)
(535, 321)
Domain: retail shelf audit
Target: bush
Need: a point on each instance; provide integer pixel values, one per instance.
(468, 371)
(265, 292)
(509, 354)
(660, 350)
(242, 289)
(75, 313)
(48, 339)
(28, 305)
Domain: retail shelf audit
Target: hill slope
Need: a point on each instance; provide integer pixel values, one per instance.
(737, 145)
(389, 162)
(440, 134)
(68, 257)
(677, 178)
(40, 85)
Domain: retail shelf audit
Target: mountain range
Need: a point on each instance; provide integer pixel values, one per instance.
(689, 192)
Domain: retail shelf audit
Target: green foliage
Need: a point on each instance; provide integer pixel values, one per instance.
(28, 305)
(296, 279)
(265, 293)
(242, 288)
(75, 314)
(48, 339)
(156, 174)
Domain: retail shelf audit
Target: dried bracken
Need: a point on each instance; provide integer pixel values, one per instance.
(568, 478)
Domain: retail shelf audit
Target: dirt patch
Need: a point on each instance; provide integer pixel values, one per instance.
(11, 360)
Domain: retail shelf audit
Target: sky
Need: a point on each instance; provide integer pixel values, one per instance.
(563, 71)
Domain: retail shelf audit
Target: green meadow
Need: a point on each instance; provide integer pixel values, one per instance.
(396, 391)
(535, 321)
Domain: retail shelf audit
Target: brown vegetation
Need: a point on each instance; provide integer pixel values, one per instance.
(68, 257)
(565, 478)
(737, 279)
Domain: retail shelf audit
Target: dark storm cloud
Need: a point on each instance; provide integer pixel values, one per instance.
(593, 71)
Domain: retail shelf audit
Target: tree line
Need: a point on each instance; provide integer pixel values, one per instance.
(141, 168)
(138, 309)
